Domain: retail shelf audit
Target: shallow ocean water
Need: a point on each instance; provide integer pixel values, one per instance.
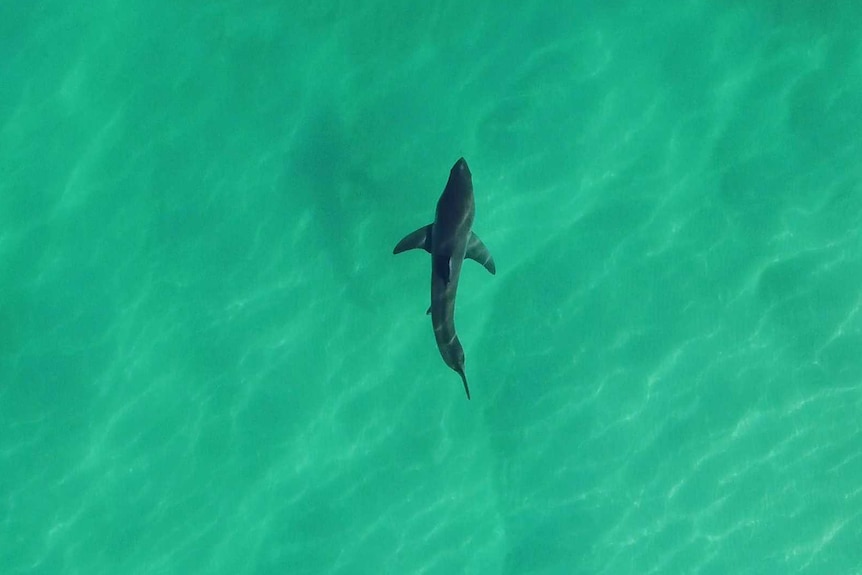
(210, 361)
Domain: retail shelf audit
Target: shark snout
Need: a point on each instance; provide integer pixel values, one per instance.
(461, 167)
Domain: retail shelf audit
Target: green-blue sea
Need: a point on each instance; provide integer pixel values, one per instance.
(211, 362)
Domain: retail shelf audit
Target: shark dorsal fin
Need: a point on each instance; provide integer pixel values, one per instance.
(443, 268)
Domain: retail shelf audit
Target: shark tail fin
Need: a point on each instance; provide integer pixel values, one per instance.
(464, 379)
(421, 238)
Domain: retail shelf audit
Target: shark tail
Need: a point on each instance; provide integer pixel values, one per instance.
(464, 379)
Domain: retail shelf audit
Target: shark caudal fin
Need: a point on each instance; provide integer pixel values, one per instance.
(421, 238)
(477, 251)
(464, 379)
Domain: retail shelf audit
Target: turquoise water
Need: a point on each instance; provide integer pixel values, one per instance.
(211, 362)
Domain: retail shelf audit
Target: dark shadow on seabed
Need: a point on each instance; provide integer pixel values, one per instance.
(325, 175)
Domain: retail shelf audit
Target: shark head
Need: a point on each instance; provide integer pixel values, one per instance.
(461, 169)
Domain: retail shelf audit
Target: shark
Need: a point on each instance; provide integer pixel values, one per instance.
(450, 240)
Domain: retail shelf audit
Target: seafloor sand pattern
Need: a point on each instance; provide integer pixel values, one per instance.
(210, 362)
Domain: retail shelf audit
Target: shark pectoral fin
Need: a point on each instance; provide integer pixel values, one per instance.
(421, 238)
(429, 311)
(476, 250)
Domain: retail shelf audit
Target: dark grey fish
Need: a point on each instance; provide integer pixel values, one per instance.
(449, 240)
